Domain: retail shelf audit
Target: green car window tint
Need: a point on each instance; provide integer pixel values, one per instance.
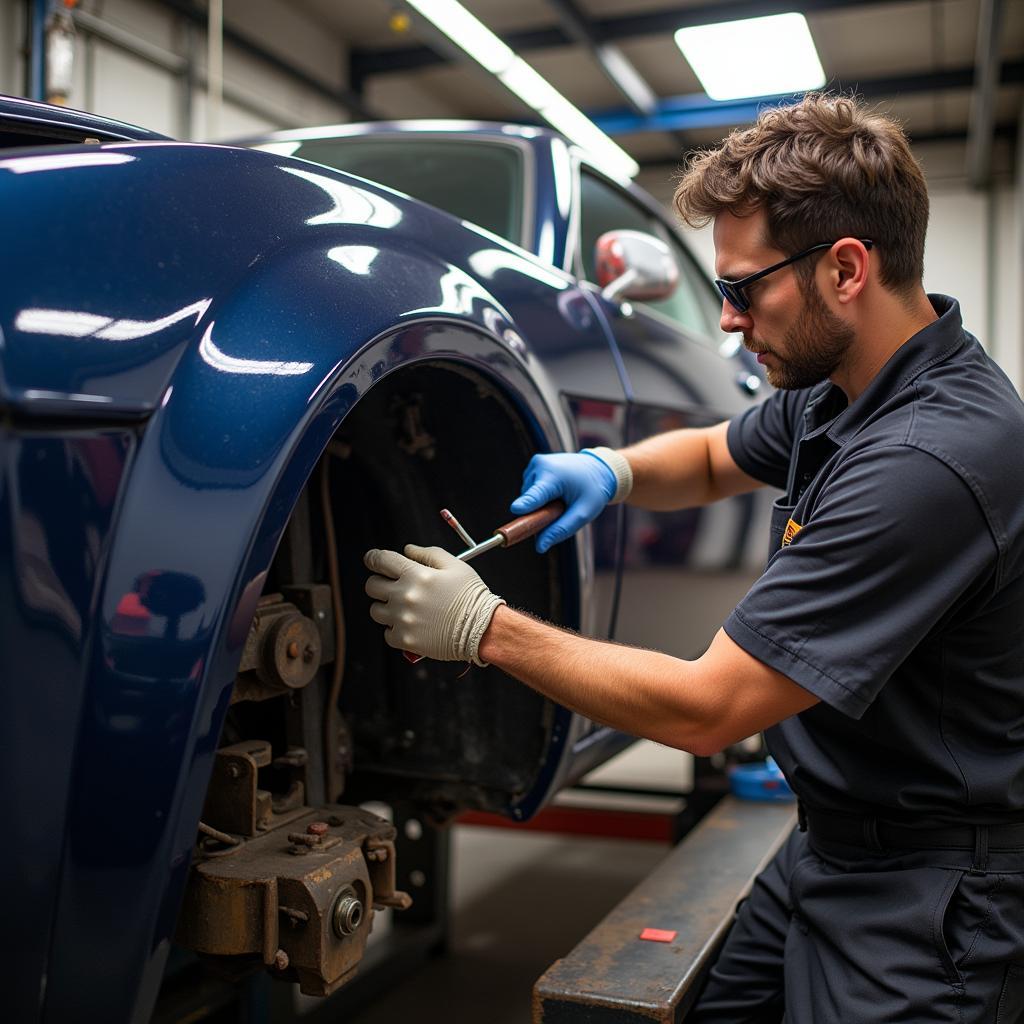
(604, 208)
(607, 208)
(693, 303)
(475, 181)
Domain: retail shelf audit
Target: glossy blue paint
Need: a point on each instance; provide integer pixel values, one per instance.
(237, 324)
(49, 579)
(221, 311)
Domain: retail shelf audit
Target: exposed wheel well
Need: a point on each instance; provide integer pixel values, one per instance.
(430, 436)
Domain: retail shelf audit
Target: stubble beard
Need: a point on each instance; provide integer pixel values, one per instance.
(815, 346)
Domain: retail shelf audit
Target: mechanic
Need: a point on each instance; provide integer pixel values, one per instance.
(883, 647)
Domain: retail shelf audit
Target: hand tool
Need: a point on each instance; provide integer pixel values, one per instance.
(520, 528)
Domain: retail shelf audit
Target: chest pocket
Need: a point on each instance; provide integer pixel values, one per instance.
(810, 457)
(782, 513)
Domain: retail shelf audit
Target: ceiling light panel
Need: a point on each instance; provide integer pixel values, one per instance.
(754, 57)
(480, 43)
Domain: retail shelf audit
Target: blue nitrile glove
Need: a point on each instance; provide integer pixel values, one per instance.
(586, 481)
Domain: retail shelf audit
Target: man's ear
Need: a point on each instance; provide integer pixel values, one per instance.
(848, 262)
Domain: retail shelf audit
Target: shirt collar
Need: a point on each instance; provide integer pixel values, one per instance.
(931, 345)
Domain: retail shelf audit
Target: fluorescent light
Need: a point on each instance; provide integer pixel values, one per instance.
(471, 35)
(467, 31)
(753, 57)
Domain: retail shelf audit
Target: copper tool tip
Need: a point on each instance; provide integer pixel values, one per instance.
(446, 515)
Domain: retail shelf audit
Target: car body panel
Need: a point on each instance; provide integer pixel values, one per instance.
(183, 329)
(51, 123)
(218, 333)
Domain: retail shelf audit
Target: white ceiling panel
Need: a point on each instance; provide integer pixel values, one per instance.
(858, 42)
(662, 63)
(574, 72)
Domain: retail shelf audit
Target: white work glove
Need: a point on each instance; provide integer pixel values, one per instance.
(432, 603)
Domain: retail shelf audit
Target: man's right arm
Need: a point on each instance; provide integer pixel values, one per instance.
(679, 469)
(684, 469)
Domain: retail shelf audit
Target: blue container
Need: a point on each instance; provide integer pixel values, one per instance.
(760, 781)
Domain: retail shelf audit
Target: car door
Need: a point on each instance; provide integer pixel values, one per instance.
(684, 570)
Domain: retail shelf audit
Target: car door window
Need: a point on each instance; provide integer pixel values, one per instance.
(693, 303)
(603, 207)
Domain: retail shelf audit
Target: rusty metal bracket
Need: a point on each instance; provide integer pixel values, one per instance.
(234, 802)
(299, 899)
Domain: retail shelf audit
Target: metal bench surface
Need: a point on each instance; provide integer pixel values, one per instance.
(615, 977)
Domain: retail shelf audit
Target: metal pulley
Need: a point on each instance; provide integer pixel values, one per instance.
(290, 652)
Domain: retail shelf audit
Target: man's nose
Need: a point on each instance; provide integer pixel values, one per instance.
(732, 321)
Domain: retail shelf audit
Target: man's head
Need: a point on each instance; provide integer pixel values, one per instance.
(825, 170)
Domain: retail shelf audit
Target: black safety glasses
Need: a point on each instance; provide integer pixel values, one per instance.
(734, 292)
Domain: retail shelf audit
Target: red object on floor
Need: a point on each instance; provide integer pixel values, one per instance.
(583, 821)
(657, 935)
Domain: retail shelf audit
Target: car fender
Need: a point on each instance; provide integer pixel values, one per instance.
(245, 417)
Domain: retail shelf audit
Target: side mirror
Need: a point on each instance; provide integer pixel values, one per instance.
(634, 265)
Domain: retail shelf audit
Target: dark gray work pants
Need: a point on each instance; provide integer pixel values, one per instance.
(840, 934)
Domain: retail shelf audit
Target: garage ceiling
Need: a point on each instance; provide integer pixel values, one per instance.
(916, 58)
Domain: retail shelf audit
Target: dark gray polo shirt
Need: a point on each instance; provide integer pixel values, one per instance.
(894, 591)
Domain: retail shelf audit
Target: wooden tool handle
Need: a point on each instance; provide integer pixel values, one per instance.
(532, 523)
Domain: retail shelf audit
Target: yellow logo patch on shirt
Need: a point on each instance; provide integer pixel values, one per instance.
(792, 529)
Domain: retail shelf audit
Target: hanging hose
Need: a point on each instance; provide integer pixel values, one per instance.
(334, 775)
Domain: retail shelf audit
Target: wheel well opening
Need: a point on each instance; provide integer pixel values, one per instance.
(431, 436)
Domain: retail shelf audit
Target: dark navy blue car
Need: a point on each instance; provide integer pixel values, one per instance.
(226, 372)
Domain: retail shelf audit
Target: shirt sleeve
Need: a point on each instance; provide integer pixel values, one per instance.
(895, 539)
(761, 438)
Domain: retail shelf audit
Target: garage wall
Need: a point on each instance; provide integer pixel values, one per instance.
(150, 90)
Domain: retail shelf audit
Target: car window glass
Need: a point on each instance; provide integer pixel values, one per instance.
(692, 304)
(476, 181)
(603, 207)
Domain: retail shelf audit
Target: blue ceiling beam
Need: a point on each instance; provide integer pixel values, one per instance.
(682, 113)
(364, 62)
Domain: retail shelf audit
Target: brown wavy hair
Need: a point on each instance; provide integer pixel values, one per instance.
(822, 169)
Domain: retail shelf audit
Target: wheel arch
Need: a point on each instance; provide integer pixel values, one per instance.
(175, 697)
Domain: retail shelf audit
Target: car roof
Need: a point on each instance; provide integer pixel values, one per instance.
(16, 112)
(438, 126)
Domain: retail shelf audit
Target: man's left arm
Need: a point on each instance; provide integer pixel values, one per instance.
(700, 706)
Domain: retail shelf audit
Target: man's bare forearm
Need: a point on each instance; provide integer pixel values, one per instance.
(640, 692)
(684, 468)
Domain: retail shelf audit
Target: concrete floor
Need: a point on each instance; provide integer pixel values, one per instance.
(523, 899)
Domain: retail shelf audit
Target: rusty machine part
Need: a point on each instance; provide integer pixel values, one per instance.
(291, 636)
(298, 898)
(235, 803)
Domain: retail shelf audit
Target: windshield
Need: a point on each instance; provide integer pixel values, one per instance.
(481, 182)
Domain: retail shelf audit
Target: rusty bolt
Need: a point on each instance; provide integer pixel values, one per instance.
(281, 960)
(293, 650)
(308, 654)
(317, 828)
(234, 771)
(306, 839)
